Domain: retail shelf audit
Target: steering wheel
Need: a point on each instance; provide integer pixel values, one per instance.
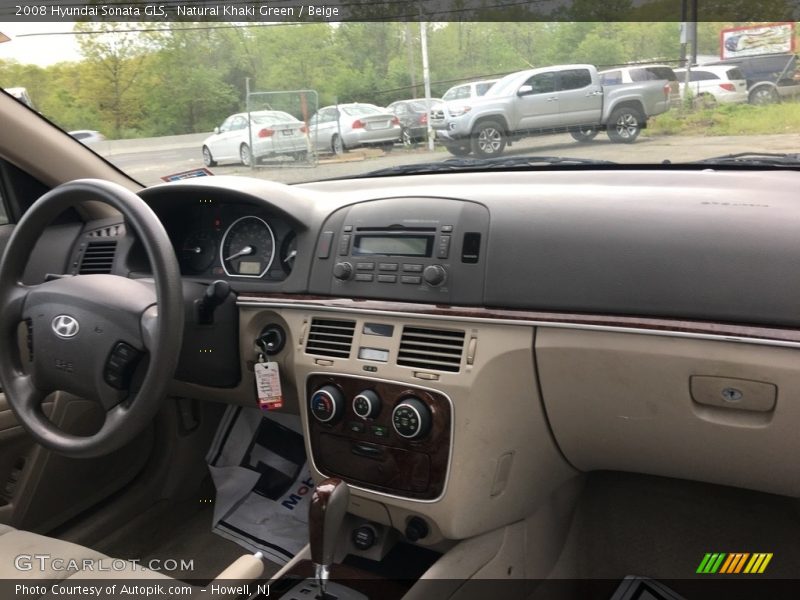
(105, 338)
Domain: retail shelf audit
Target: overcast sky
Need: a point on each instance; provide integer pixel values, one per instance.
(40, 50)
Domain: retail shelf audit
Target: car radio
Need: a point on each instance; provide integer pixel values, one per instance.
(404, 249)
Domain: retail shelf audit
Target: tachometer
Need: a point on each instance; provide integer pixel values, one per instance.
(248, 247)
(197, 251)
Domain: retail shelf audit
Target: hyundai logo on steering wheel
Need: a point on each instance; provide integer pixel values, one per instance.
(65, 326)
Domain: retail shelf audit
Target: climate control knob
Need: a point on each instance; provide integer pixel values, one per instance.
(367, 404)
(434, 275)
(343, 271)
(411, 418)
(327, 404)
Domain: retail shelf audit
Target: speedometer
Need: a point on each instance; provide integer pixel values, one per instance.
(248, 247)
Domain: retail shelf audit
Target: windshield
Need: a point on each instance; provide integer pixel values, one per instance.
(505, 86)
(167, 95)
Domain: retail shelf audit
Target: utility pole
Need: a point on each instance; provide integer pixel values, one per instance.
(412, 64)
(683, 32)
(693, 31)
(426, 77)
(249, 123)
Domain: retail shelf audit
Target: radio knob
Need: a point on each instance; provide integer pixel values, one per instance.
(343, 271)
(434, 274)
(327, 404)
(411, 418)
(367, 404)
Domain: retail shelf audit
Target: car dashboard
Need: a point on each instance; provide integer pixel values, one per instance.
(460, 345)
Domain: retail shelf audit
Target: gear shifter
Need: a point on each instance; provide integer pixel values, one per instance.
(325, 516)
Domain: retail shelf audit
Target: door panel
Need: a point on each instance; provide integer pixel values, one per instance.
(579, 100)
(539, 108)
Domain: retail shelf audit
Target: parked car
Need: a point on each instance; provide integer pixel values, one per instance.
(713, 84)
(341, 127)
(274, 133)
(639, 73)
(770, 78)
(21, 94)
(413, 115)
(87, 136)
(564, 98)
(464, 91)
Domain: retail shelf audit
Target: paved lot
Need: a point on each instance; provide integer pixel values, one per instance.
(161, 158)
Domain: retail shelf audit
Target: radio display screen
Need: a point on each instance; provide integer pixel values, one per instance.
(393, 245)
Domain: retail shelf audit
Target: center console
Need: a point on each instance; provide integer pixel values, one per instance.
(418, 249)
(380, 435)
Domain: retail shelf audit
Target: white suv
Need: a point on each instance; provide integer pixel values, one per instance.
(712, 84)
(465, 91)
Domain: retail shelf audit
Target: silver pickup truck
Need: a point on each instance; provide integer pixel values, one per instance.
(559, 99)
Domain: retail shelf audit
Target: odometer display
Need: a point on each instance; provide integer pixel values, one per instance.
(248, 247)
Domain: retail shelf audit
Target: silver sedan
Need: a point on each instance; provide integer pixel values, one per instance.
(342, 127)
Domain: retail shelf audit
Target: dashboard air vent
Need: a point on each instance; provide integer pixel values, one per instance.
(330, 337)
(98, 257)
(110, 231)
(435, 349)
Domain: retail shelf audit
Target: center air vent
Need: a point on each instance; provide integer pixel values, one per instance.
(435, 349)
(330, 337)
(98, 257)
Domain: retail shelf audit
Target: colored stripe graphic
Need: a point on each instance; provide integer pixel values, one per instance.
(734, 563)
(765, 563)
(741, 562)
(729, 563)
(711, 562)
(703, 563)
(758, 563)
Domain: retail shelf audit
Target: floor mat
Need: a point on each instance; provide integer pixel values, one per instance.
(258, 464)
(179, 532)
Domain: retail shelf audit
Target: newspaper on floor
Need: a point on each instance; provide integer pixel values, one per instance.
(258, 464)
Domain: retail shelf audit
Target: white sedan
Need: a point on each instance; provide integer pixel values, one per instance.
(338, 128)
(271, 133)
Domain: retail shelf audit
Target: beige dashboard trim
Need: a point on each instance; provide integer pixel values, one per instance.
(441, 315)
(439, 392)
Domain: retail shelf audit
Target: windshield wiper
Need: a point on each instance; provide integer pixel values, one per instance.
(454, 165)
(754, 159)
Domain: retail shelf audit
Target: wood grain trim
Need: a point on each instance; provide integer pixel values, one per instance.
(407, 468)
(732, 330)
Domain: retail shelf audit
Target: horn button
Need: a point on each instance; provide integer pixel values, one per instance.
(87, 335)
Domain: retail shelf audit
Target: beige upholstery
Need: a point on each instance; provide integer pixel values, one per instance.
(25, 555)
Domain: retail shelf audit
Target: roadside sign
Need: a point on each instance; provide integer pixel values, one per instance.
(771, 38)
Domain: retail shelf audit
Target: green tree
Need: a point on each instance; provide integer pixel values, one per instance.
(114, 60)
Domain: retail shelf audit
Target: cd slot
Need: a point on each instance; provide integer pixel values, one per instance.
(398, 228)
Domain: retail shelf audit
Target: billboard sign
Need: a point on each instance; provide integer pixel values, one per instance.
(771, 38)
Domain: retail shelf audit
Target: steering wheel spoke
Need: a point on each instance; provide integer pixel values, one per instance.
(29, 393)
(15, 299)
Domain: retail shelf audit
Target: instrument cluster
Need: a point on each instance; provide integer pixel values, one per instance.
(229, 240)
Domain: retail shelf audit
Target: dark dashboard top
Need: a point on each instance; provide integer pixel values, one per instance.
(693, 245)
